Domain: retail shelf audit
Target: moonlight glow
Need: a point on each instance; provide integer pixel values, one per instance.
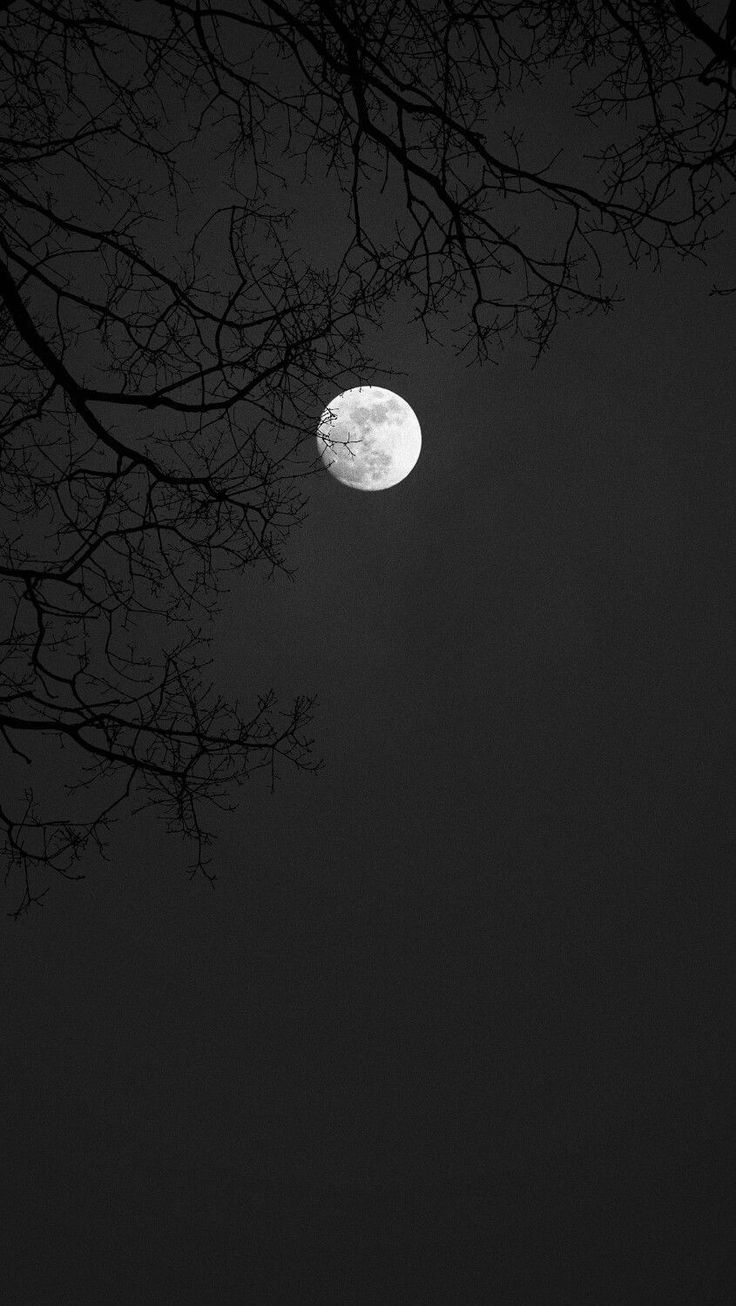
(369, 438)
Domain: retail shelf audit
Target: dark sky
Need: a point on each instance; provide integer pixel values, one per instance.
(456, 1022)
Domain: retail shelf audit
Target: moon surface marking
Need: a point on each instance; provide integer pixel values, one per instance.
(369, 438)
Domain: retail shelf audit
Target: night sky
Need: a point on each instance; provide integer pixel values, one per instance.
(455, 1023)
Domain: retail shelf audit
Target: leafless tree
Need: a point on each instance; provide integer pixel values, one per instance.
(422, 105)
(165, 347)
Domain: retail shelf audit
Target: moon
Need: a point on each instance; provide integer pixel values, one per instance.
(369, 438)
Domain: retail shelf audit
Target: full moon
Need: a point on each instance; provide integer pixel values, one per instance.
(369, 438)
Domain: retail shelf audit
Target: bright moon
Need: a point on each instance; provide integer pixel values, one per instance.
(369, 438)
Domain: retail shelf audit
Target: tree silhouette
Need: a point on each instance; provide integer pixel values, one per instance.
(166, 347)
